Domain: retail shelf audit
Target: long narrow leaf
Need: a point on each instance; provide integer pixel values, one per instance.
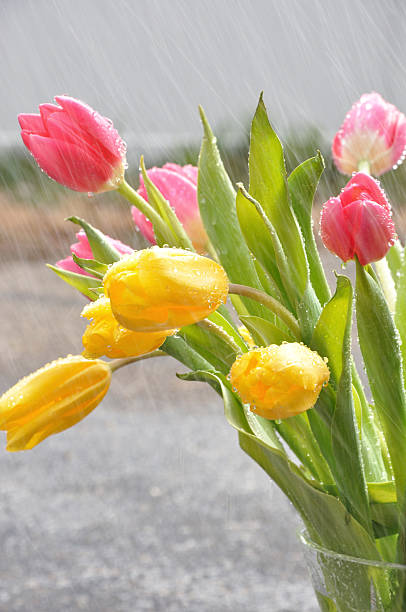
(102, 250)
(302, 184)
(217, 202)
(379, 342)
(84, 284)
(268, 185)
(349, 471)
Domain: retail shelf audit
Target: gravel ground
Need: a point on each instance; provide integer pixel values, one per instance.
(146, 505)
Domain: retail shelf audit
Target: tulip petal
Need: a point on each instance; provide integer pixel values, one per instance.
(95, 125)
(334, 233)
(77, 168)
(47, 110)
(177, 189)
(190, 172)
(363, 187)
(372, 229)
(70, 265)
(32, 123)
(60, 127)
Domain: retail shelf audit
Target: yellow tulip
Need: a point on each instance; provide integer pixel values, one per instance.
(52, 399)
(105, 336)
(279, 381)
(164, 288)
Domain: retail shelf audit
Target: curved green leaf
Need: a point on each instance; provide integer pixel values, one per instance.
(102, 250)
(217, 203)
(265, 331)
(329, 333)
(85, 284)
(379, 342)
(91, 265)
(349, 471)
(302, 184)
(268, 186)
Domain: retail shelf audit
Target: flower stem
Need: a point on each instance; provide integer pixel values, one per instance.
(119, 363)
(363, 166)
(269, 302)
(151, 214)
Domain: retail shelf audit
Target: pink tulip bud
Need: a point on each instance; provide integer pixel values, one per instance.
(178, 185)
(75, 145)
(373, 131)
(358, 221)
(83, 250)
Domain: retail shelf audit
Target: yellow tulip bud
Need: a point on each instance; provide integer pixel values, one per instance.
(279, 381)
(105, 336)
(164, 288)
(52, 399)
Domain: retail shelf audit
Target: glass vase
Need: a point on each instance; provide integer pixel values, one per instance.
(350, 584)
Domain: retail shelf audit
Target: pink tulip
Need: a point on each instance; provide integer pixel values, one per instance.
(83, 250)
(75, 145)
(373, 131)
(178, 184)
(358, 221)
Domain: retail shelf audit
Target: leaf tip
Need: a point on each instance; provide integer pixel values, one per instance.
(206, 126)
(320, 158)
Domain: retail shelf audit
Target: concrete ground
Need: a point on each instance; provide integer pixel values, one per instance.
(146, 505)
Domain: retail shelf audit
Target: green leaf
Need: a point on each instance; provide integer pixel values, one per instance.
(395, 259)
(265, 331)
(328, 341)
(178, 348)
(371, 444)
(320, 417)
(217, 208)
(102, 250)
(219, 319)
(400, 312)
(268, 185)
(234, 409)
(379, 342)
(329, 333)
(264, 429)
(325, 517)
(349, 472)
(308, 311)
(297, 432)
(84, 284)
(282, 274)
(212, 347)
(96, 268)
(382, 492)
(302, 184)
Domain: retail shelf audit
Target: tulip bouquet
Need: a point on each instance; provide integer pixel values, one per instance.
(279, 354)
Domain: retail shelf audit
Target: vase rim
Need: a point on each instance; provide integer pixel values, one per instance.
(307, 541)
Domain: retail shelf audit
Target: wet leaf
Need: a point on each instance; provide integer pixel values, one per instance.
(302, 184)
(102, 250)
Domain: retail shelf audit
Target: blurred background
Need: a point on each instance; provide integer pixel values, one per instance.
(149, 504)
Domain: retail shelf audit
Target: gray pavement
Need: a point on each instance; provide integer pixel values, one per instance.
(146, 505)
